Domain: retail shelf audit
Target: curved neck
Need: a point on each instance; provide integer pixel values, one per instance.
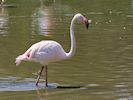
(73, 41)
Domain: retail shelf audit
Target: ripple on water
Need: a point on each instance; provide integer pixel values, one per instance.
(24, 86)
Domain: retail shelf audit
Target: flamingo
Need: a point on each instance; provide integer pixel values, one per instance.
(48, 51)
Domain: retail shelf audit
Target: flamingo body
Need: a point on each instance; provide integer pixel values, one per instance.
(43, 52)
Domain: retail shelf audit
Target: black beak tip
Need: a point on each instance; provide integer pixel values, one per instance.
(87, 25)
(88, 22)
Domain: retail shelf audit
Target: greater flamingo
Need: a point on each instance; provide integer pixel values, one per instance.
(49, 51)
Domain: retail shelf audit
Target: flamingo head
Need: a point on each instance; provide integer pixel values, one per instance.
(83, 19)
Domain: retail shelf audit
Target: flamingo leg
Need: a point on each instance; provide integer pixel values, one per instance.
(46, 75)
(39, 76)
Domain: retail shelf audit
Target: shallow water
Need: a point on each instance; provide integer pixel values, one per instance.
(102, 67)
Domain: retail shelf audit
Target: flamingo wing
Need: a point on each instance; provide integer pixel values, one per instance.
(43, 52)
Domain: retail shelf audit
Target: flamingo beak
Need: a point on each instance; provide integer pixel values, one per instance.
(87, 22)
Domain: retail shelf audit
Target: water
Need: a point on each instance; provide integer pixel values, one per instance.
(103, 62)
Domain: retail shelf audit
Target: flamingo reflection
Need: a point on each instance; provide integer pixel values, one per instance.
(42, 19)
(2, 2)
(3, 21)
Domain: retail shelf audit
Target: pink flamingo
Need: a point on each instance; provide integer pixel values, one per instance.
(49, 51)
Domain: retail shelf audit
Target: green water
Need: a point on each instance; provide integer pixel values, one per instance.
(103, 62)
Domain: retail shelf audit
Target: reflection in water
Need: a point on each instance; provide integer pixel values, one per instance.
(68, 93)
(28, 84)
(2, 2)
(42, 19)
(45, 94)
(3, 21)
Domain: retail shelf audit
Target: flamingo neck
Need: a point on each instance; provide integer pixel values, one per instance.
(73, 41)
